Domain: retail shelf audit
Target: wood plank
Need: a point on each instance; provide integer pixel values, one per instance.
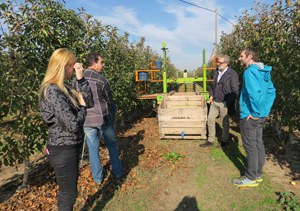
(144, 97)
(184, 93)
(192, 137)
(182, 118)
(163, 103)
(184, 98)
(184, 103)
(181, 113)
(179, 130)
(182, 124)
(183, 106)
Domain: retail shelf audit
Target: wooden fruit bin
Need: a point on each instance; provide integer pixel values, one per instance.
(182, 115)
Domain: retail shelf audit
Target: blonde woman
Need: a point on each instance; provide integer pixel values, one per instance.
(63, 109)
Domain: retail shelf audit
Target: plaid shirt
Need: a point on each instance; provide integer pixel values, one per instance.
(102, 97)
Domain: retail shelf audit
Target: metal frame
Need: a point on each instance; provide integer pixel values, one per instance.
(165, 80)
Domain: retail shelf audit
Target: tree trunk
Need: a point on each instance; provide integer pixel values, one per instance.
(277, 129)
(292, 139)
(26, 173)
(26, 163)
(122, 123)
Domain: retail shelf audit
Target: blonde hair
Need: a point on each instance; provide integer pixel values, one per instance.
(55, 73)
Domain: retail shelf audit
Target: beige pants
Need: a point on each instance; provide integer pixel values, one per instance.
(218, 109)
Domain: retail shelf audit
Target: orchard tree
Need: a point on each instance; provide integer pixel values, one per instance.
(30, 31)
(274, 30)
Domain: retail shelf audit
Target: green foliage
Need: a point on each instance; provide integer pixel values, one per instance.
(274, 30)
(173, 156)
(289, 201)
(30, 31)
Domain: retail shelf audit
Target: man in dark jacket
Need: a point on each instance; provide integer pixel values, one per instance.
(222, 100)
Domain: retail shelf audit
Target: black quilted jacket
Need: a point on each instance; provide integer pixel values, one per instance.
(64, 120)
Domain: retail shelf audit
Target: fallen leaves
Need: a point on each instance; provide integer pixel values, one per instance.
(137, 147)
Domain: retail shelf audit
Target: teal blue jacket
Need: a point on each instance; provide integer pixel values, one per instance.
(258, 92)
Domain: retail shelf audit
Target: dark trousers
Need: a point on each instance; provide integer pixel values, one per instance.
(252, 137)
(65, 163)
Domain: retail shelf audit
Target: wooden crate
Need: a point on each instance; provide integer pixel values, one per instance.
(182, 115)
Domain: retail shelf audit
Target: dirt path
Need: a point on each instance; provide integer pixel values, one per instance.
(181, 191)
(199, 180)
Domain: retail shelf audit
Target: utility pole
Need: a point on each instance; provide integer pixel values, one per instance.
(216, 29)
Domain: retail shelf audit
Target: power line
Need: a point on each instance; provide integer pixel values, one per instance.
(225, 19)
(195, 5)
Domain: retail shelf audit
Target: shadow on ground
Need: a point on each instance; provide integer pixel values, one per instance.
(232, 150)
(130, 150)
(40, 173)
(278, 149)
(188, 204)
(281, 152)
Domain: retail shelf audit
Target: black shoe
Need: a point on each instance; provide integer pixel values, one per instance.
(224, 144)
(207, 144)
(120, 178)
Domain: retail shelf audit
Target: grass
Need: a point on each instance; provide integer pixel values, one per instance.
(210, 177)
(218, 154)
(221, 194)
(201, 175)
(132, 203)
(214, 172)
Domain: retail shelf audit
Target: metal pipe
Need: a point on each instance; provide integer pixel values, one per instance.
(164, 67)
(204, 71)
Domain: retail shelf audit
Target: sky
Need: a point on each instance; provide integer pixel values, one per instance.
(185, 28)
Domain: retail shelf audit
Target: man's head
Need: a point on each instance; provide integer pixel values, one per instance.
(248, 56)
(94, 61)
(223, 62)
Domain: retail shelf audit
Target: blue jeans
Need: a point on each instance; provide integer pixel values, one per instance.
(109, 135)
(252, 136)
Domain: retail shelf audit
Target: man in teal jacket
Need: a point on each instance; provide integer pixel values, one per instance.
(256, 99)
